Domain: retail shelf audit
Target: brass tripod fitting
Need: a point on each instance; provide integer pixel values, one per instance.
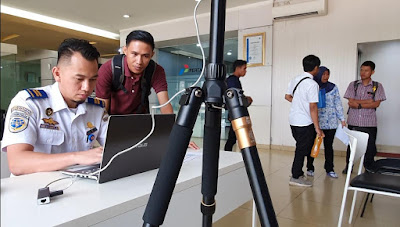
(244, 132)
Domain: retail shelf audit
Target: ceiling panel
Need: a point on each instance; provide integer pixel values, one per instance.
(37, 35)
(107, 15)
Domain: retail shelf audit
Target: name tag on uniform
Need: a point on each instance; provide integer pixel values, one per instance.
(49, 123)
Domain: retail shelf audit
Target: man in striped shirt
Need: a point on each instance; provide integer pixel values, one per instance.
(364, 98)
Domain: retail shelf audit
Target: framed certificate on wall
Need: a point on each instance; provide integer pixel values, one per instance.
(254, 49)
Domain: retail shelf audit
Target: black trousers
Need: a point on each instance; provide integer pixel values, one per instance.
(304, 137)
(328, 145)
(231, 140)
(371, 147)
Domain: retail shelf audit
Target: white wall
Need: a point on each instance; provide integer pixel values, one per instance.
(257, 84)
(252, 18)
(386, 56)
(334, 39)
(46, 65)
(7, 49)
(248, 16)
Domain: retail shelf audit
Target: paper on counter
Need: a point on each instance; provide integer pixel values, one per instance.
(190, 155)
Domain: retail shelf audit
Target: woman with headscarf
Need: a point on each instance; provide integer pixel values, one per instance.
(330, 110)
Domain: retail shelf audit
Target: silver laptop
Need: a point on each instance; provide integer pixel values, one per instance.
(123, 132)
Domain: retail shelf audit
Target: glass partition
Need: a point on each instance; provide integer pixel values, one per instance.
(8, 75)
(16, 76)
(183, 64)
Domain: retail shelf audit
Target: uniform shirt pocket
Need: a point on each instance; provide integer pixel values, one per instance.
(50, 140)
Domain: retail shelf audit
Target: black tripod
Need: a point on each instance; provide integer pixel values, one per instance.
(213, 94)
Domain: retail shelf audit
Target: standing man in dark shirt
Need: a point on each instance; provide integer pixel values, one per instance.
(138, 52)
(239, 70)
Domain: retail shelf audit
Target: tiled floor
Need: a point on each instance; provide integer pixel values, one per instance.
(315, 206)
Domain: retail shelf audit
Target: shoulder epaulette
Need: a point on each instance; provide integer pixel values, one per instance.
(36, 94)
(96, 102)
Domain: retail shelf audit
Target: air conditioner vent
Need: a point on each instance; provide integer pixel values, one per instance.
(286, 10)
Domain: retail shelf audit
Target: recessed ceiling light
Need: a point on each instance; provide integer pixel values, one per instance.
(126, 16)
(229, 53)
(10, 37)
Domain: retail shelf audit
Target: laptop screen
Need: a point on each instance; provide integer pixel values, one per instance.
(125, 131)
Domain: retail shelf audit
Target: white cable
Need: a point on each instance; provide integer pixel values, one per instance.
(130, 148)
(202, 54)
(199, 42)
(73, 179)
(160, 106)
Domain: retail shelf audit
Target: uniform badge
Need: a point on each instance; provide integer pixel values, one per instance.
(18, 124)
(49, 123)
(19, 118)
(49, 112)
(105, 116)
(92, 129)
(36, 94)
(22, 110)
(90, 125)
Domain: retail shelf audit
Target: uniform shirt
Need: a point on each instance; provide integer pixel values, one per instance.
(306, 93)
(122, 103)
(333, 111)
(233, 82)
(50, 126)
(363, 117)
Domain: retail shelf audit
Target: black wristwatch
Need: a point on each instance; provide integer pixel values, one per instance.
(359, 106)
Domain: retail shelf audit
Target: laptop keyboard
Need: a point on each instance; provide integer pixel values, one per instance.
(89, 171)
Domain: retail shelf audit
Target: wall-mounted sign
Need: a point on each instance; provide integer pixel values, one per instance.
(254, 49)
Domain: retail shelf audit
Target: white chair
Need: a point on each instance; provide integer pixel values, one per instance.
(365, 182)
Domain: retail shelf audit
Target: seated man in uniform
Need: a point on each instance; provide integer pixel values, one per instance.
(52, 127)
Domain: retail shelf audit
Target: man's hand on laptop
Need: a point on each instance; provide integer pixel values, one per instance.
(89, 157)
(193, 145)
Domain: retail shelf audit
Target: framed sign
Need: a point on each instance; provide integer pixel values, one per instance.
(254, 49)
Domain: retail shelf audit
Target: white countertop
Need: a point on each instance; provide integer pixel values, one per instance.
(86, 202)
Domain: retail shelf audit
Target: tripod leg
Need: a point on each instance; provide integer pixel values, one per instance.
(241, 123)
(172, 162)
(214, 89)
(212, 132)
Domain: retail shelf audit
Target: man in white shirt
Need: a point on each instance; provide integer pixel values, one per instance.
(55, 126)
(303, 117)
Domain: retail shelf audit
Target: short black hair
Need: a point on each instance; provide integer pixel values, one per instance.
(238, 63)
(71, 45)
(371, 64)
(310, 62)
(140, 35)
